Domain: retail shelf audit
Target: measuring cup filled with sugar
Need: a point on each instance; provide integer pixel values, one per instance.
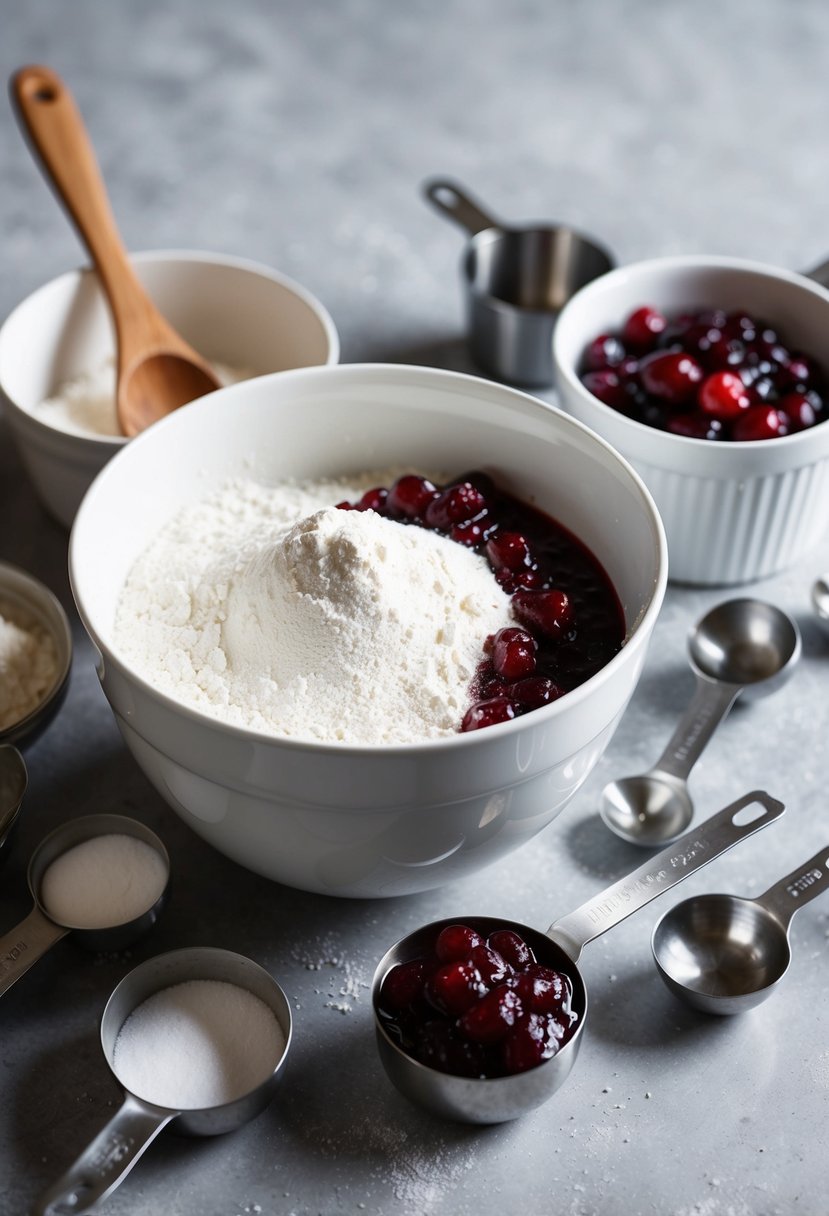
(199, 1036)
(103, 878)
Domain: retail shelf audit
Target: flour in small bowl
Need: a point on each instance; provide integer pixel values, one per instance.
(271, 609)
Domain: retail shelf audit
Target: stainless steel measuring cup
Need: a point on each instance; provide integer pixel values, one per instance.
(741, 647)
(516, 281)
(725, 954)
(22, 946)
(13, 782)
(497, 1099)
(118, 1146)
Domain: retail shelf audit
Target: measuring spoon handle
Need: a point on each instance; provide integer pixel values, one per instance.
(105, 1163)
(449, 198)
(798, 888)
(710, 703)
(22, 946)
(692, 851)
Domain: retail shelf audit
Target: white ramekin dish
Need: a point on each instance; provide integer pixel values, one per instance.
(733, 512)
(231, 310)
(358, 820)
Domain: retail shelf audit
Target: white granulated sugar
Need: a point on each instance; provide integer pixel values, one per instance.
(28, 664)
(85, 405)
(273, 610)
(196, 1044)
(104, 881)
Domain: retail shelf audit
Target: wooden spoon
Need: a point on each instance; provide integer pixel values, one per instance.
(157, 370)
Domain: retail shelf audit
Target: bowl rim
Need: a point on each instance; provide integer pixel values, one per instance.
(113, 443)
(566, 371)
(637, 633)
(16, 583)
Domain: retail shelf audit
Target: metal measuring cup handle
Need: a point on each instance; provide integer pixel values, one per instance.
(692, 851)
(708, 707)
(449, 198)
(23, 945)
(800, 887)
(107, 1160)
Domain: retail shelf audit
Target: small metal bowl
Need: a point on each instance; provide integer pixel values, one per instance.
(36, 602)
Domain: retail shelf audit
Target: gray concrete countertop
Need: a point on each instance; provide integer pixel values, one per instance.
(299, 135)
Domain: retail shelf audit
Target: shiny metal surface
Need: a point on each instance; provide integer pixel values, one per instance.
(743, 647)
(13, 782)
(723, 954)
(516, 281)
(22, 946)
(820, 599)
(497, 1100)
(112, 1154)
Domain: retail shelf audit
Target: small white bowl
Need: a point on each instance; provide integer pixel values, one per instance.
(338, 818)
(231, 310)
(733, 512)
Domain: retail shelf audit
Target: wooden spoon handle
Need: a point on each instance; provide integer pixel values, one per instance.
(53, 122)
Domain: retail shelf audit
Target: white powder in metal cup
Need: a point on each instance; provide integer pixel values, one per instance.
(271, 609)
(104, 881)
(197, 1044)
(28, 664)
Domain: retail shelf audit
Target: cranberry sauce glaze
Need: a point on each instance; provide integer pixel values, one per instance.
(570, 622)
(477, 1003)
(706, 375)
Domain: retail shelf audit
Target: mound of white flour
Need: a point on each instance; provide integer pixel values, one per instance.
(272, 609)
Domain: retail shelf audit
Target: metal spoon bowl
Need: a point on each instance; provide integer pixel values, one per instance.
(724, 954)
(115, 1150)
(743, 647)
(22, 946)
(820, 599)
(497, 1099)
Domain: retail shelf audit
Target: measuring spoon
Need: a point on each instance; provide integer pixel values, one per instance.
(157, 370)
(742, 646)
(497, 1099)
(22, 946)
(725, 954)
(104, 1164)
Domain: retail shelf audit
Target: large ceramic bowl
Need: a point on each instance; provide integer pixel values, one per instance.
(362, 820)
(231, 310)
(733, 512)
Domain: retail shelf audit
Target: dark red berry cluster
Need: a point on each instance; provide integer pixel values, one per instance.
(478, 1007)
(706, 375)
(570, 622)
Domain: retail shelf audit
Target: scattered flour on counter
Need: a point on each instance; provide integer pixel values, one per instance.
(28, 664)
(273, 610)
(85, 405)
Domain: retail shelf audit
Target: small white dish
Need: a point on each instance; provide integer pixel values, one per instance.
(233, 311)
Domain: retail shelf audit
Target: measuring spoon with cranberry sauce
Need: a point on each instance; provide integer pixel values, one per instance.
(742, 647)
(480, 1019)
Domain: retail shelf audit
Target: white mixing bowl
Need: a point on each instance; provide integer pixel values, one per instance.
(231, 310)
(733, 512)
(359, 820)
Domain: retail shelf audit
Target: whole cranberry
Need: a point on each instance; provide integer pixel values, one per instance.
(643, 327)
(535, 692)
(403, 984)
(799, 410)
(438, 1045)
(604, 351)
(672, 377)
(542, 990)
(374, 500)
(409, 497)
(456, 943)
(512, 948)
(492, 967)
(548, 612)
(454, 505)
(608, 386)
(535, 1038)
(513, 653)
(508, 550)
(760, 422)
(455, 987)
(696, 425)
(488, 713)
(723, 395)
(492, 1018)
(471, 532)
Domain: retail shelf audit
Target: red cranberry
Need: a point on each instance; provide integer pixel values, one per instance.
(695, 426)
(455, 987)
(799, 410)
(535, 1039)
(488, 713)
(512, 948)
(456, 943)
(409, 497)
(723, 395)
(345, 505)
(403, 984)
(643, 327)
(454, 506)
(542, 990)
(374, 500)
(607, 386)
(492, 1017)
(760, 422)
(534, 692)
(492, 967)
(604, 351)
(508, 551)
(549, 612)
(513, 653)
(471, 532)
(672, 377)
(438, 1045)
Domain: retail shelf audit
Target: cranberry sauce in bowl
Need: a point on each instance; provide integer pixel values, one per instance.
(569, 622)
